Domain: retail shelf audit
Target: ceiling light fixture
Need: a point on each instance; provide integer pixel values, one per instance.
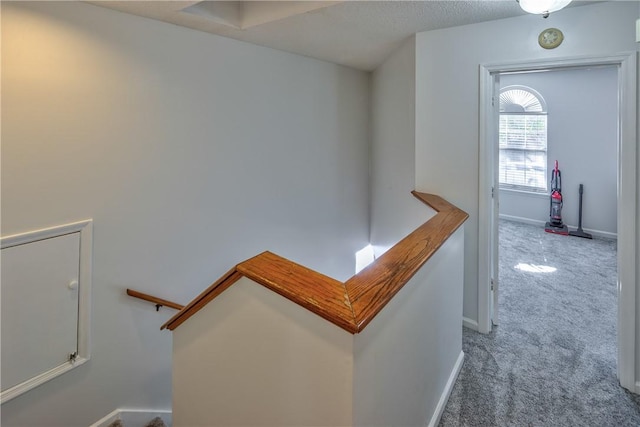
(542, 7)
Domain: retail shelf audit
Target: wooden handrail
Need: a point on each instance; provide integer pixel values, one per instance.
(353, 304)
(373, 287)
(159, 302)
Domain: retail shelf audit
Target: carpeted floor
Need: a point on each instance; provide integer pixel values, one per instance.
(552, 359)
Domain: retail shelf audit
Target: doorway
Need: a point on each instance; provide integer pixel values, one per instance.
(568, 115)
(488, 286)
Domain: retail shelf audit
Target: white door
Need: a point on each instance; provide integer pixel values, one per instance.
(39, 307)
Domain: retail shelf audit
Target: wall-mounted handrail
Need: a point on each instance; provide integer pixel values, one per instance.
(159, 302)
(353, 304)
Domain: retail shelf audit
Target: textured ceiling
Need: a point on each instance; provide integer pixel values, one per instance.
(358, 34)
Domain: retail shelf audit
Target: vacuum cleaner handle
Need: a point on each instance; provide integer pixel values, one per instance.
(556, 179)
(559, 183)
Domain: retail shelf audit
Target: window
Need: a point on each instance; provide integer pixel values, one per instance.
(523, 140)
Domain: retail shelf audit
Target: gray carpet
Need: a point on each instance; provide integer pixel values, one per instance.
(552, 360)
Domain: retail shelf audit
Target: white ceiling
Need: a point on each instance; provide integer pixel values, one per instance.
(358, 34)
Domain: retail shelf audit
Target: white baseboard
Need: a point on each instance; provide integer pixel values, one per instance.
(470, 323)
(107, 419)
(444, 397)
(522, 220)
(134, 417)
(596, 233)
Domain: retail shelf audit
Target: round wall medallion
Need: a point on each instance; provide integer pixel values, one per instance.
(550, 38)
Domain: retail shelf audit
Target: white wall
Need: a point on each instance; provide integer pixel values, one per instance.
(447, 92)
(582, 135)
(191, 152)
(394, 212)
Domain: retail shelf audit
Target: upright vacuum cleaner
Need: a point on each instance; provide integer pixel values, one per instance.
(555, 224)
(580, 232)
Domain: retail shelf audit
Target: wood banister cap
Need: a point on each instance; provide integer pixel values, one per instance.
(353, 304)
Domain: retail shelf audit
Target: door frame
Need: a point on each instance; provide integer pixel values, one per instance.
(627, 195)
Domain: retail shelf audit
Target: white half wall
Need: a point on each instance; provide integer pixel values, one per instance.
(253, 358)
(447, 93)
(406, 360)
(583, 136)
(191, 152)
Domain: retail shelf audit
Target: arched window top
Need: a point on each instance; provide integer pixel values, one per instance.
(521, 99)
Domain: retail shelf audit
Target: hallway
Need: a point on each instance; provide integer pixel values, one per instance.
(552, 359)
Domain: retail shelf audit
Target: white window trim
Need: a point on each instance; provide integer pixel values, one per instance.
(543, 112)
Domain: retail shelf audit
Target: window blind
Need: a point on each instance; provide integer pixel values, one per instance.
(523, 152)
